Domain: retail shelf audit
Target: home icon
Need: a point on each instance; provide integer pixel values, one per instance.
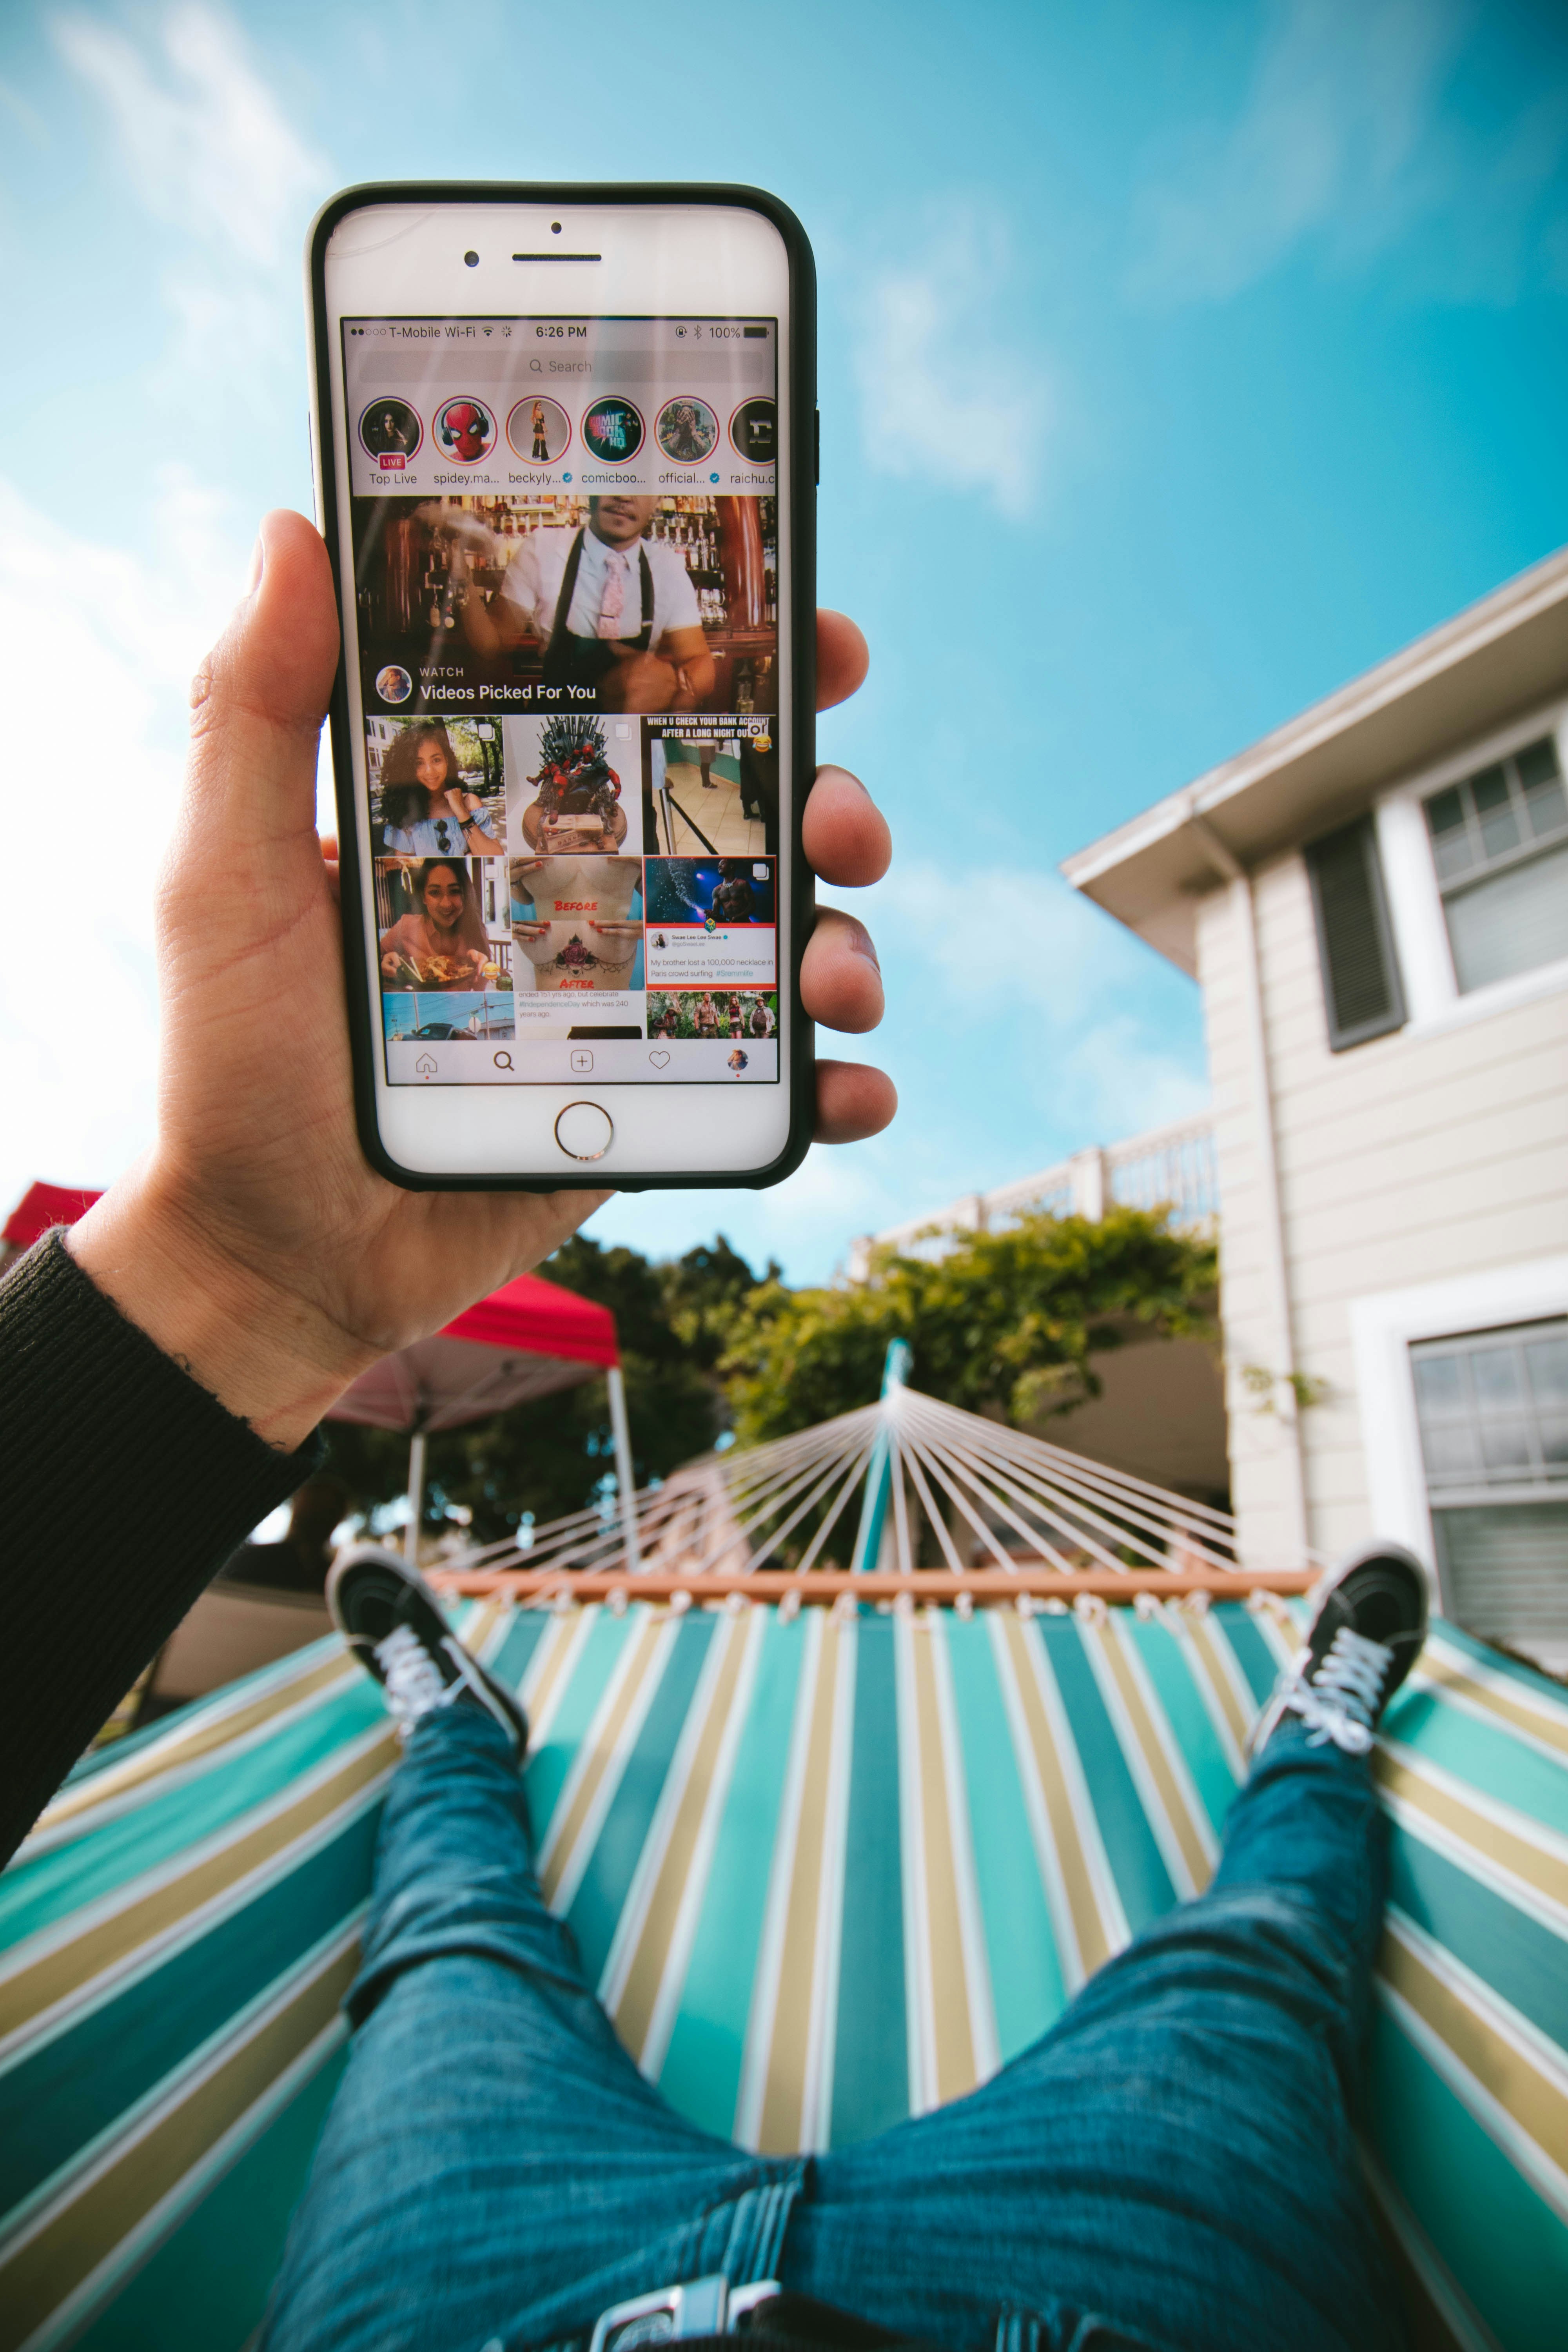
(425, 1065)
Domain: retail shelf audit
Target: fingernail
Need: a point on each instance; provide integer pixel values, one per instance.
(258, 561)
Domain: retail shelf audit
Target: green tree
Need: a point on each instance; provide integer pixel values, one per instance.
(1002, 1323)
(554, 1454)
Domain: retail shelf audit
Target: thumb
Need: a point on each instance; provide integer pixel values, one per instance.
(258, 699)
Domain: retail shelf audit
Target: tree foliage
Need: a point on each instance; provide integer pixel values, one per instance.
(551, 1456)
(1005, 1323)
(1002, 1323)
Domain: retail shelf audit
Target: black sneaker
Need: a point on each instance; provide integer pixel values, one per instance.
(392, 1621)
(1365, 1636)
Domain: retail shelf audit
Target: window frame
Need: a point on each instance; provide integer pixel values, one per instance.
(1542, 1482)
(1383, 1325)
(1415, 898)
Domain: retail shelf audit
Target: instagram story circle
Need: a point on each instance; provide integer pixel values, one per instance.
(390, 432)
(538, 430)
(687, 430)
(613, 430)
(394, 684)
(754, 429)
(464, 429)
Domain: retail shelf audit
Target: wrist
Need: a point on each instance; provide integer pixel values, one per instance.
(267, 1354)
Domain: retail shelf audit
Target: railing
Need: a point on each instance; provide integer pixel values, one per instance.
(1170, 1167)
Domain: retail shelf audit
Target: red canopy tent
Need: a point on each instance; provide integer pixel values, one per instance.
(526, 1339)
(41, 1206)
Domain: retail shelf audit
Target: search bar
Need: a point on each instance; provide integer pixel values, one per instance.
(746, 364)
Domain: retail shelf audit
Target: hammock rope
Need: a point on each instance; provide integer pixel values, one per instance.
(948, 1499)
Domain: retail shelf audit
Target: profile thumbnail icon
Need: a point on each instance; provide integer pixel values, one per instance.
(613, 430)
(393, 683)
(390, 432)
(687, 430)
(464, 429)
(538, 430)
(754, 429)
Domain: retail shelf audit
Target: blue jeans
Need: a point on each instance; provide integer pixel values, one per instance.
(1171, 2164)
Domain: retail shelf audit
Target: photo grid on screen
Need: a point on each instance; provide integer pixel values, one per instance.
(566, 538)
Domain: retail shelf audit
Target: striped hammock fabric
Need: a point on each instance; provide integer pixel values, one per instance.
(829, 1867)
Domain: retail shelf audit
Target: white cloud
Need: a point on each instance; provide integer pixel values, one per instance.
(943, 398)
(208, 147)
(1053, 986)
(106, 643)
(1342, 98)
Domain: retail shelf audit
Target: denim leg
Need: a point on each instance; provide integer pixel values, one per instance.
(1178, 2150)
(492, 2155)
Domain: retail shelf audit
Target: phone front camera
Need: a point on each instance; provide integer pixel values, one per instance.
(472, 259)
(554, 228)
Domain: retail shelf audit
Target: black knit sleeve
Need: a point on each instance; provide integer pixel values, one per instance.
(124, 1486)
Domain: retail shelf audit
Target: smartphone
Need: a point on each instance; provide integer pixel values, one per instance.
(565, 441)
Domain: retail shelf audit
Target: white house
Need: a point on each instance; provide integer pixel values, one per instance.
(1374, 899)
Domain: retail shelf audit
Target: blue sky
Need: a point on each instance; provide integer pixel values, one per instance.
(1179, 360)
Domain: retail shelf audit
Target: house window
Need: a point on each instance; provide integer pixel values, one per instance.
(1493, 1412)
(1499, 842)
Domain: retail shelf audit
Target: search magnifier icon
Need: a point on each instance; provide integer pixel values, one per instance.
(536, 367)
(502, 1061)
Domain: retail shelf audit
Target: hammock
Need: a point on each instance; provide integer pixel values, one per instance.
(829, 1865)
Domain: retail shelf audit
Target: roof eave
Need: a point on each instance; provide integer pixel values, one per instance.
(1497, 660)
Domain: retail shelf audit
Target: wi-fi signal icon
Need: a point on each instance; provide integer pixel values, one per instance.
(490, 330)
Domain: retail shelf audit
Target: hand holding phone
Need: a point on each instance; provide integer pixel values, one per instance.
(565, 441)
(254, 1242)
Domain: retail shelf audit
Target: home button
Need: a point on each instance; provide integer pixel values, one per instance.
(584, 1131)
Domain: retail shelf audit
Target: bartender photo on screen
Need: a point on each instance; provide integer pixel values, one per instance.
(660, 607)
(614, 610)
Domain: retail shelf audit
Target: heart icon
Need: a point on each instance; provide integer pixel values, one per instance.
(658, 1059)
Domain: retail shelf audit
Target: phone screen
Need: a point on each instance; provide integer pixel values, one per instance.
(566, 551)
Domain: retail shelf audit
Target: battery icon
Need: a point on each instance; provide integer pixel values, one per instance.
(754, 334)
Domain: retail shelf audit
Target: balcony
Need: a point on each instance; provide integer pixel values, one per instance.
(1170, 1167)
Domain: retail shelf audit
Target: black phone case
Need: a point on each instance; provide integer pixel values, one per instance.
(801, 618)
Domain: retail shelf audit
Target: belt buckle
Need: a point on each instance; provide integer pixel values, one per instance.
(704, 2306)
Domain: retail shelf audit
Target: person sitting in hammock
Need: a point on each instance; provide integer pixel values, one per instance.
(1173, 2165)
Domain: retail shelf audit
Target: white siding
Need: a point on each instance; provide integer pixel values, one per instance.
(1402, 1161)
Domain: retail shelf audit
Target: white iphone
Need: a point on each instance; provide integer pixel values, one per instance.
(564, 443)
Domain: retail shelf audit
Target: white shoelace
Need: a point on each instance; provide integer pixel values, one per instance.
(1341, 1701)
(412, 1679)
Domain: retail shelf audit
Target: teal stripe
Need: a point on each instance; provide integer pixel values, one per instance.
(1507, 2249)
(208, 2286)
(1512, 1670)
(617, 1850)
(1253, 1655)
(548, 1766)
(251, 1686)
(1026, 1973)
(701, 2072)
(1137, 1864)
(34, 1895)
(1485, 1756)
(523, 1637)
(871, 2060)
(1520, 1959)
(1166, 1659)
(59, 2095)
